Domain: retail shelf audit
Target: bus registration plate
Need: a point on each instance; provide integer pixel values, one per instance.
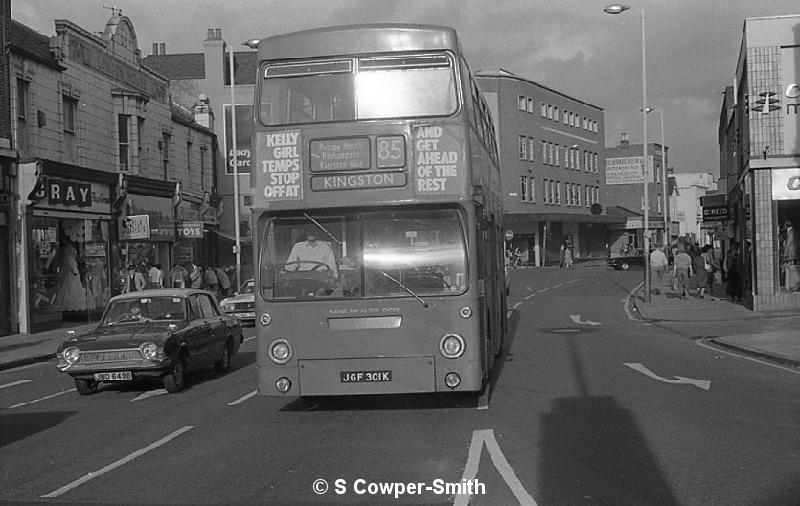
(365, 376)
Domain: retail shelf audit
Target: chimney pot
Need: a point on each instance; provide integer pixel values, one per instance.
(162, 48)
(155, 48)
(210, 34)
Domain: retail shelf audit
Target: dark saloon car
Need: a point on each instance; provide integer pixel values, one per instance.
(635, 259)
(159, 334)
(242, 304)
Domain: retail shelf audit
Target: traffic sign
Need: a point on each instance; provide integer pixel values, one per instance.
(509, 234)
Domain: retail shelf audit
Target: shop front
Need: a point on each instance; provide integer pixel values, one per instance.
(68, 252)
(147, 235)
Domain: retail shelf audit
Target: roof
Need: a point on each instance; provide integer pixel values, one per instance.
(177, 66)
(502, 73)
(159, 292)
(28, 42)
(623, 212)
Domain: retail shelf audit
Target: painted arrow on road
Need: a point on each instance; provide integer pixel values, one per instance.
(576, 318)
(704, 384)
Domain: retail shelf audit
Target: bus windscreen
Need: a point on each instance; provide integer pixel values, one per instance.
(378, 87)
(364, 255)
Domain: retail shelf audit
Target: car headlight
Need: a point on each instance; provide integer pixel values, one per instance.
(452, 346)
(279, 351)
(150, 351)
(227, 307)
(71, 354)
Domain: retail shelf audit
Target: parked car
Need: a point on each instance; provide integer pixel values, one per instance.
(161, 334)
(635, 259)
(242, 304)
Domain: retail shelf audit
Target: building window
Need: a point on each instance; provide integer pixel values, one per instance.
(70, 107)
(523, 147)
(22, 115)
(543, 108)
(659, 204)
(544, 151)
(549, 112)
(546, 190)
(532, 189)
(165, 141)
(558, 193)
(556, 152)
(189, 161)
(247, 200)
(531, 106)
(123, 135)
(522, 102)
(203, 151)
(523, 184)
(594, 162)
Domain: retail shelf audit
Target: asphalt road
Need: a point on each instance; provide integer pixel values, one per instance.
(587, 406)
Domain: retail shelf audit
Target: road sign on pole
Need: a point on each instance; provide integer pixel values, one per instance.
(509, 234)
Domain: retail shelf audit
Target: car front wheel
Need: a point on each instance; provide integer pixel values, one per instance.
(175, 381)
(86, 387)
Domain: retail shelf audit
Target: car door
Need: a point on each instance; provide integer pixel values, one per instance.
(196, 337)
(215, 331)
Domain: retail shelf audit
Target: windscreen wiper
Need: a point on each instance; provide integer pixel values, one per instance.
(318, 224)
(404, 287)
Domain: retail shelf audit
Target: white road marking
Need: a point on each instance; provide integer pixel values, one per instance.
(576, 318)
(42, 398)
(752, 359)
(243, 398)
(14, 383)
(628, 301)
(565, 331)
(248, 338)
(151, 393)
(486, 437)
(120, 462)
(703, 384)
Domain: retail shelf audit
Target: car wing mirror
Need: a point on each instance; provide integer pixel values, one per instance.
(71, 333)
(172, 327)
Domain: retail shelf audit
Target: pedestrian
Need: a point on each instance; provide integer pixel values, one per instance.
(195, 275)
(224, 282)
(568, 258)
(211, 281)
(155, 276)
(177, 276)
(682, 271)
(700, 272)
(561, 254)
(733, 272)
(711, 267)
(791, 257)
(658, 267)
(133, 281)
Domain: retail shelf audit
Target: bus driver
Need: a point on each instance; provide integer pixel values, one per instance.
(314, 253)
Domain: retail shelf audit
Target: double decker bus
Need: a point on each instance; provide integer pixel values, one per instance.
(376, 213)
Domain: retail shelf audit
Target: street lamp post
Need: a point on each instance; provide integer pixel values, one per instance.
(664, 175)
(619, 9)
(237, 249)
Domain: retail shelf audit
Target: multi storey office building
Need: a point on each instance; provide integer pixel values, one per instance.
(552, 165)
(759, 139)
(110, 171)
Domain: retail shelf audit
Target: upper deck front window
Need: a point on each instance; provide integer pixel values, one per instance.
(374, 87)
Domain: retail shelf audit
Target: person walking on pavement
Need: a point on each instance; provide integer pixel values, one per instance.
(177, 276)
(561, 254)
(211, 281)
(791, 253)
(732, 269)
(682, 271)
(224, 282)
(700, 272)
(133, 281)
(155, 276)
(568, 258)
(658, 267)
(195, 275)
(711, 267)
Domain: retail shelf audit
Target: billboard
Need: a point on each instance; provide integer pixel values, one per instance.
(627, 170)
(244, 114)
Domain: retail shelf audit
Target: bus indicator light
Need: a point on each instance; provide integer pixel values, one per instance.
(265, 319)
(465, 312)
(452, 380)
(283, 385)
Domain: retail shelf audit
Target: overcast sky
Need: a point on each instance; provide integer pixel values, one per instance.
(569, 45)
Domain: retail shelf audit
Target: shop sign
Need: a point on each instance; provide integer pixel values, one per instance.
(132, 228)
(243, 128)
(190, 230)
(95, 249)
(67, 194)
(786, 184)
(715, 213)
(627, 170)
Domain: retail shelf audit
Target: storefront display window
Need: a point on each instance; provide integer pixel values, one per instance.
(68, 269)
(789, 243)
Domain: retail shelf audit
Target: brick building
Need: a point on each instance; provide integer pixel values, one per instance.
(7, 167)
(99, 139)
(551, 157)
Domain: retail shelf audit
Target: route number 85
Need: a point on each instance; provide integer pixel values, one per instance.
(391, 151)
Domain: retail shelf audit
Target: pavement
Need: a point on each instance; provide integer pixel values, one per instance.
(766, 334)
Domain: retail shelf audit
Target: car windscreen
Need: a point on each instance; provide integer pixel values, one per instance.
(143, 309)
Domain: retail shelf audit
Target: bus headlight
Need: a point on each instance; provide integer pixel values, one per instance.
(279, 351)
(71, 354)
(452, 346)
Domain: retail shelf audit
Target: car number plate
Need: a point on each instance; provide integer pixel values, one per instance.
(113, 376)
(365, 376)
(245, 315)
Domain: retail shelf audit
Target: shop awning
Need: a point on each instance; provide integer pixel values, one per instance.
(230, 237)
